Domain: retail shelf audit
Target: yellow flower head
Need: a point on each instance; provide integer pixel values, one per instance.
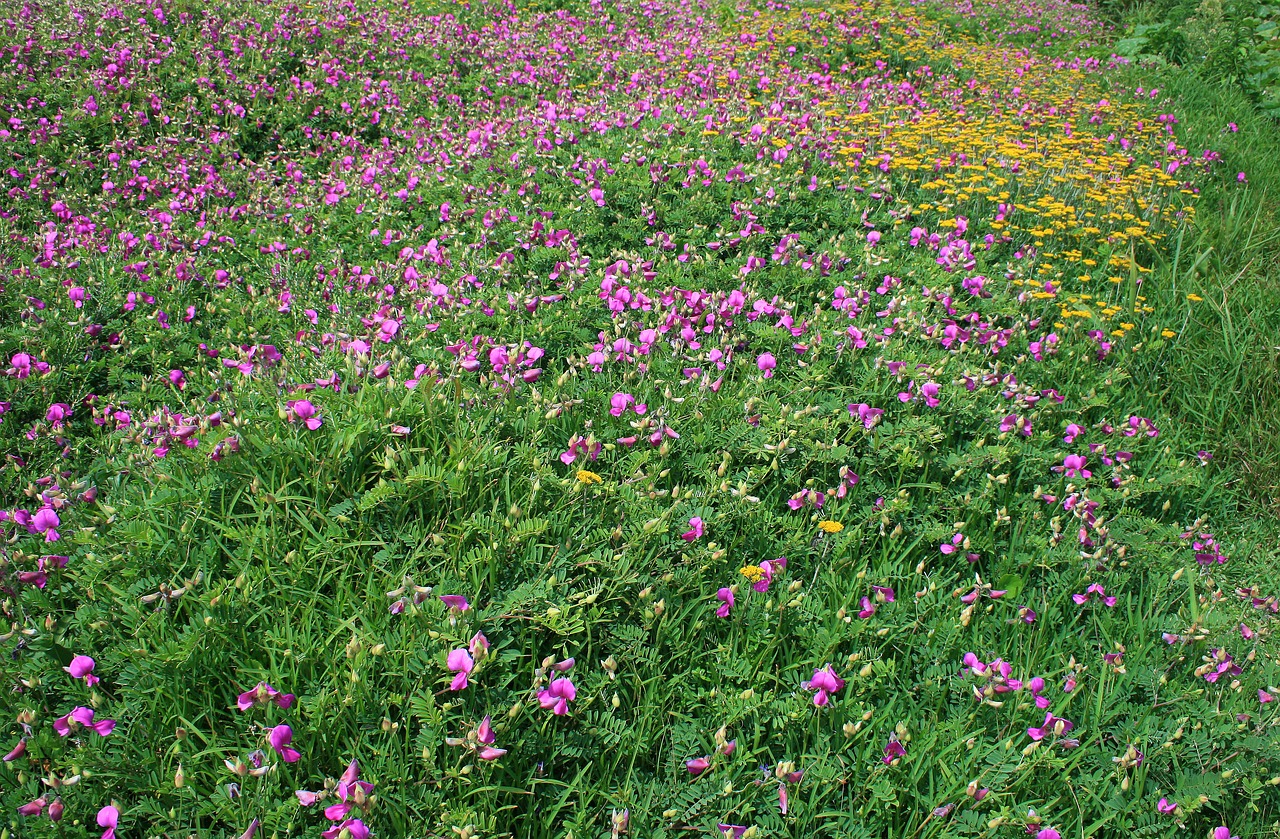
(588, 477)
(830, 526)
(753, 573)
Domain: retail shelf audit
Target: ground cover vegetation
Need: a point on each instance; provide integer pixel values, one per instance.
(632, 419)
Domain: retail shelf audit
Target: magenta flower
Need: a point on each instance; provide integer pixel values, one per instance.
(558, 695)
(33, 808)
(1091, 592)
(1074, 465)
(455, 602)
(695, 530)
(1223, 832)
(769, 567)
(766, 364)
(732, 831)
(21, 749)
(352, 828)
(81, 717)
(478, 646)
(1052, 725)
(1263, 699)
(619, 402)
(460, 662)
(108, 817)
(893, 750)
(867, 415)
(351, 791)
(698, 765)
(868, 608)
(486, 737)
(81, 667)
(263, 694)
(1165, 807)
(281, 736)
(824, 683)
(1048, 833)
(303, 410)
(725, 596)
(46, 521)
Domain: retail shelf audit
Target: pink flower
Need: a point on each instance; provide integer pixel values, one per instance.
(698, 765)
(81, 667)
(1263, 698)
(1090, 592)
(558, 695)
(82, 717)
(893, 750)
(597, 195)
(867, 415)
(46, 521)
(695, 530)
(619, 402)
(281, 736)
(352, 792)
(725, 596)
(455, 602)
(1048, 833)
(303, 410)
(825, 682)
(732, 831)
(769, 567)
(1074, 465)
(766, 363)
(108, 817)
(461, 662)
(17, 751)
(33, 808)
(353, 828)
(486, 737)
(1223, 832)
(263, 694)
(478, 646)
(1052, 725)
(1164, 807)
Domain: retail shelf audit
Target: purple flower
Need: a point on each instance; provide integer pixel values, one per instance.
(460, 662)
(558, 695)
(725, 596)
(81, 667)
(486, 737)
(732, 831)
(695, 530)
(1074, 465)
(281, 736)
(698, 765)
(352, 792)
(1090, 593)
(825, 682)
(263, 694)
(1223, 832)
(303, 410)
(108, 817)
(893, 750)
(82, 717)
(1052, 725)
(455, 601)
(353, 828)
(1165, 807)
(46, 521)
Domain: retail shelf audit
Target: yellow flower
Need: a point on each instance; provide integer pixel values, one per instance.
(830, 526)
(753, 573)
(1195, 298)
(588, 477)
(1167, 333)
